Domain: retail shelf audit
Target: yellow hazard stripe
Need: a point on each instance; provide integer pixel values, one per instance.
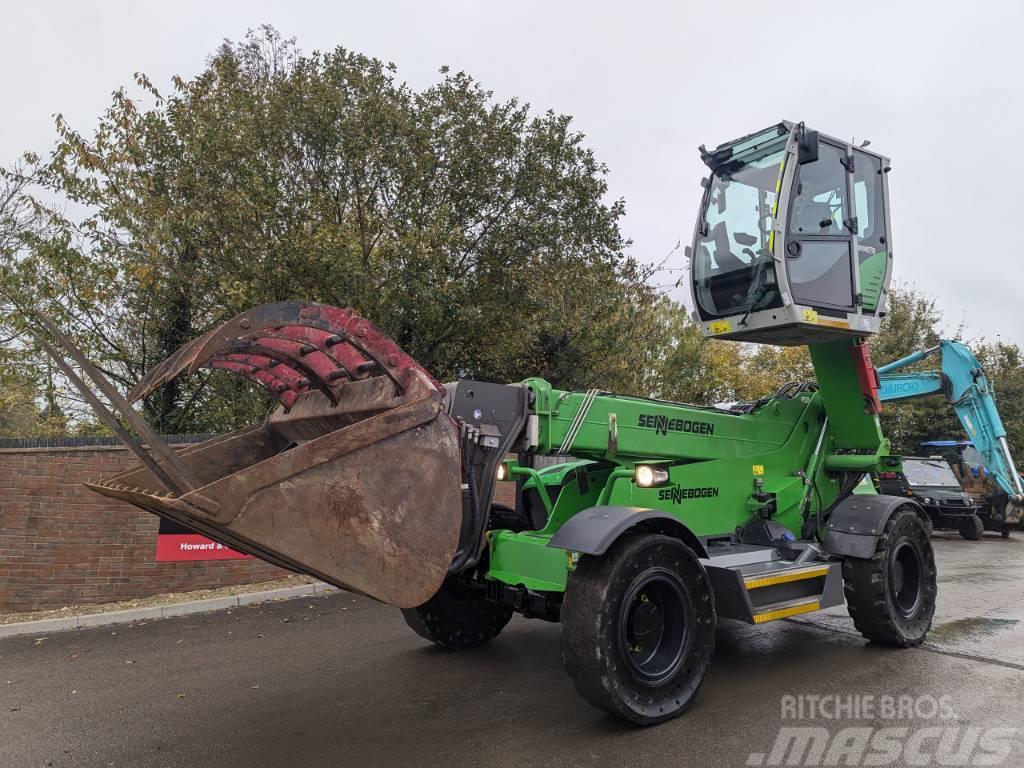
(753, 582)
(781, 613)
(775, 205)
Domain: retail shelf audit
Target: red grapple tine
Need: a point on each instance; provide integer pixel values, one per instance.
(250, 363)
(368, 338)
(281, 354)
(289, 351)
(340, 336)
(285, 390)
(326, 344)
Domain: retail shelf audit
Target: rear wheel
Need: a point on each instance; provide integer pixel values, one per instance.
(972, 528)
(638, 628)
(457, 617)
(505, 517)
(891, 596)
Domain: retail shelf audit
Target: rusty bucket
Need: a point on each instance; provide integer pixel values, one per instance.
(354, 478)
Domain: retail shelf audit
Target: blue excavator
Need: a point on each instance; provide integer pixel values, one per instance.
(995, 488)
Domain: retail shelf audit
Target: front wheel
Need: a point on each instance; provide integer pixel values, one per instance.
(638, 628)
(457, 618)
(891, 596)
(972, 528)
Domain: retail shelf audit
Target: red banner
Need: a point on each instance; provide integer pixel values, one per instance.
(176, 543)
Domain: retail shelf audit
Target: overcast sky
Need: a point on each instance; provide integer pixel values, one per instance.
(939, 87)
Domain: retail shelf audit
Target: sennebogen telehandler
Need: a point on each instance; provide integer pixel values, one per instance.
(664, 519)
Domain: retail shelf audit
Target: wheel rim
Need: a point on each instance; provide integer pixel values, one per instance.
(654, 626)
(907, 577)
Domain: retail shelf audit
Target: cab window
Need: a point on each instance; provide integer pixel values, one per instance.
(818, 248)
(819, 205)
(867, 191)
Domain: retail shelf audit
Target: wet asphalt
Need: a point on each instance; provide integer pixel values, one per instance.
(341, 681)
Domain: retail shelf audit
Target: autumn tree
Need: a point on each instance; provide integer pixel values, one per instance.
(474, 231)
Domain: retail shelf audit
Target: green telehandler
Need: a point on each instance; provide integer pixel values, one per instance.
(660, 519)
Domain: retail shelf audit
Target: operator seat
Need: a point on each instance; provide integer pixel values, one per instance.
(731, 280)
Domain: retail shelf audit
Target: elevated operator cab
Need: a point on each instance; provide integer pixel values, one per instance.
(792, 242)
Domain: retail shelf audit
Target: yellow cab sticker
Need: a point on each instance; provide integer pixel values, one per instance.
(719, 326)
(759, 470)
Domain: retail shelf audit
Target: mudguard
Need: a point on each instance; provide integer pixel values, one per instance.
(592, 531)
(858, 522)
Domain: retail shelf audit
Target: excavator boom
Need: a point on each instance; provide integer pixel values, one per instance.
(962, 382)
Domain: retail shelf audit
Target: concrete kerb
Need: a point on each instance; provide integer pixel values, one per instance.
(44, 626)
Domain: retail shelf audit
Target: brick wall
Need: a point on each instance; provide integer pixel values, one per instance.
(61, 544)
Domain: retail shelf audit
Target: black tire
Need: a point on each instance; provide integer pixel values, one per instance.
(505, 518)
(891, 596)
(638, 628)
(972, 528)
(457, 619)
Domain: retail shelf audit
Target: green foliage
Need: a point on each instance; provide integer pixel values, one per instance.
(472, 231)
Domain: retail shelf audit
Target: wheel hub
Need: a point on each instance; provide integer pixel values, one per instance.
(653, 626)
(906, 577)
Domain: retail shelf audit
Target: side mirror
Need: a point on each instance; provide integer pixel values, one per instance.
(807, 147)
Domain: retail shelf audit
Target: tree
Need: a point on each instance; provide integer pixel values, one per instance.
(474, 232)
(19, 377)
(1004, 368)
(682, 365)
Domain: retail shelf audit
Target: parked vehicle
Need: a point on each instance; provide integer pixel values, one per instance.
(930, 482)
(977, 479)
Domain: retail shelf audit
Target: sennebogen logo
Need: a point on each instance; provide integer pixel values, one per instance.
(662, 425)
(677, 494)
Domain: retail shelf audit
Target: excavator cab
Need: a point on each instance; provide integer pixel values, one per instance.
(792, 242)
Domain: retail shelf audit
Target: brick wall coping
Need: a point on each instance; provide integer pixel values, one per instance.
(37, 443)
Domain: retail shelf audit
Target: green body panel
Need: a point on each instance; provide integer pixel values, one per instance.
(526, 559)
(852, 427)
(872, 279)
(723, 467)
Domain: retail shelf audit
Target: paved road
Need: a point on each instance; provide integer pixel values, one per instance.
(341, 681)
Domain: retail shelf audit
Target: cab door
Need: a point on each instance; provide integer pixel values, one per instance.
(820, 240)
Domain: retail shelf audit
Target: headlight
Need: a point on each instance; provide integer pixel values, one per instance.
(502, 471)
(928, 500)
(648, 476)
